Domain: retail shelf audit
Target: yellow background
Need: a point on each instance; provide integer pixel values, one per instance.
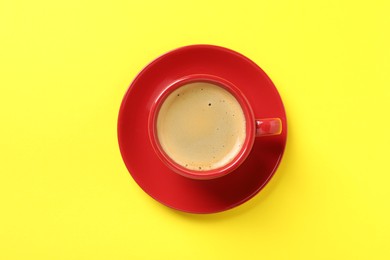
(65, 192)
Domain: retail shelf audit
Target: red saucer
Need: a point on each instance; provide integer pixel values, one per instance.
(170, 188)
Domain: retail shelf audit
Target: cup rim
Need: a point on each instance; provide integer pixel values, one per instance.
(249, 123)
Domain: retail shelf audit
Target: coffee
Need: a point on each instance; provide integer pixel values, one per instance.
(201, 126)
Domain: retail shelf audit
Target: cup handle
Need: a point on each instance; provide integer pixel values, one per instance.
(268, 126)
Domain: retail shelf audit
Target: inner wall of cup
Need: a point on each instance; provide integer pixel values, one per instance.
(201, 126)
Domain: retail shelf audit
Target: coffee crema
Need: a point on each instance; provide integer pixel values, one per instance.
(201, 126)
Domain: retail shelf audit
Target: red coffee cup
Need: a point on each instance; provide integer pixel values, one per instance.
(169, 102)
